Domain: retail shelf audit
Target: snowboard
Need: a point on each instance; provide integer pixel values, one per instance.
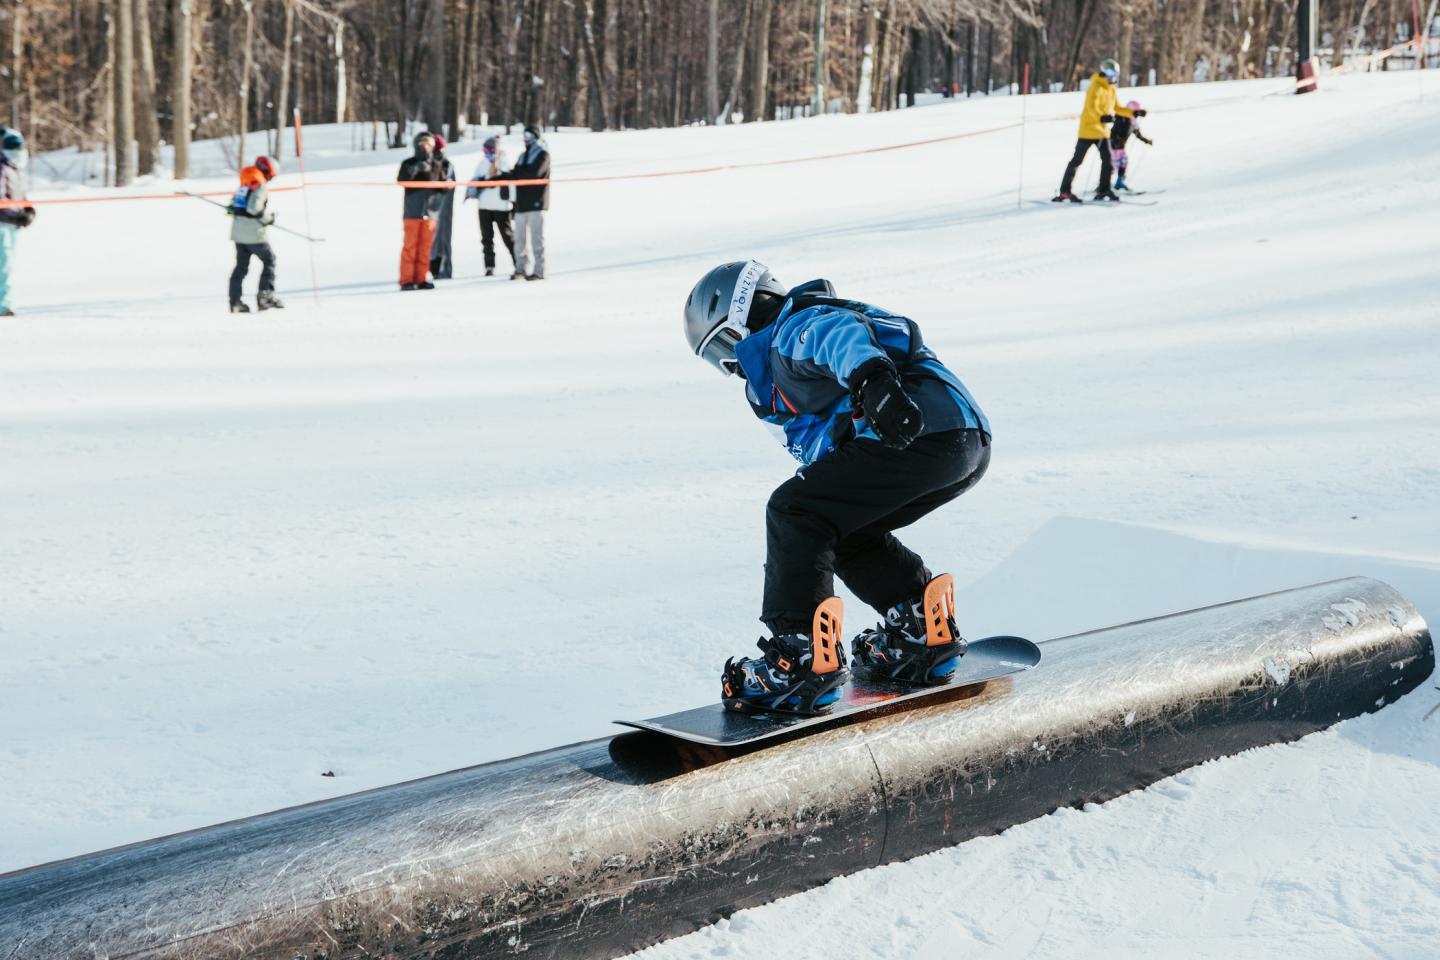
(713, 725)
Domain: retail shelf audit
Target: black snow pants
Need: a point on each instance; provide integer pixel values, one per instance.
(490, 221)
(243, 253)
(1081, 146)
(836, 516)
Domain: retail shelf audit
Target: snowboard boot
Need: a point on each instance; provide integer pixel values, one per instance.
(238, 307)
(797, 672)
(1106, 195)
(1064, 195)
(268, 301)
(916, 642)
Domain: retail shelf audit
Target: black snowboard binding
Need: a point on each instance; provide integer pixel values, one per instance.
(797, 673)
(916, 643)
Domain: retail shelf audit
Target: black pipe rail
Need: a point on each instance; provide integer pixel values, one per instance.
(600, 848)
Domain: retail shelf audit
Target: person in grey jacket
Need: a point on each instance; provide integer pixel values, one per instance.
(251, 211)
(531, 202)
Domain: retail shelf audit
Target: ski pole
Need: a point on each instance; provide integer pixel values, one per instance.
(273, 226)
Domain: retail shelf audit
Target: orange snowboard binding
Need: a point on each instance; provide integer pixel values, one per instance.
(797, 673)
(917, 642)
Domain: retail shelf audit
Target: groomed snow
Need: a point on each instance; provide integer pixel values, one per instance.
(394, 534)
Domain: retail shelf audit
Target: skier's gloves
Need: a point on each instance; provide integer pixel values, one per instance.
(894, 417)
(1138, 112)
(1147, 142)
(1107, 118)
(27, 216)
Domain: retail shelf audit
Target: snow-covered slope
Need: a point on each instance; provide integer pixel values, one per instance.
(391, 534)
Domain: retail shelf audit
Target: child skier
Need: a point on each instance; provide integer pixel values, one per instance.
(885, 434)
(250, 208)
(1119, 135)
(1100, 108)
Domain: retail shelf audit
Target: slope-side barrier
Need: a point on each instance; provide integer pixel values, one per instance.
(599, 848)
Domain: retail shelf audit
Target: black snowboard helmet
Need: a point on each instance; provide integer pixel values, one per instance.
(719, 310)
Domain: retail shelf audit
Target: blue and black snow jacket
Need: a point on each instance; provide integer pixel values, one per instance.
(797, 371)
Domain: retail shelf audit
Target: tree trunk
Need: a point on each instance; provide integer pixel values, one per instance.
(247, 60)
(737, 74)
(180, 87)
(147, 121)
(124, 92)
(594, 68)
(760, 77)
(712, 61)
(433, 67)
(282, 103)
(1127, 42)
(1073, 66)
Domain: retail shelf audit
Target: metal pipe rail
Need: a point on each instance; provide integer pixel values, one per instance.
(600, 848)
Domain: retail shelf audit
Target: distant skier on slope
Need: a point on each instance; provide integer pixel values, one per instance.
(885, 433)
(1100, 108)
(250, 208)
(1119, 135)
(13, 157)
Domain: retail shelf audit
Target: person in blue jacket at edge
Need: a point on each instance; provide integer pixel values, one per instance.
(885, 433)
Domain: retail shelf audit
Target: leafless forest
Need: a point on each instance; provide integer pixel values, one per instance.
(88, 72)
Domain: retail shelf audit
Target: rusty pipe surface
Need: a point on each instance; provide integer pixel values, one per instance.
(597, 849)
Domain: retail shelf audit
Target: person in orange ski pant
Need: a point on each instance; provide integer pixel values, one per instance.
(421, 206)
(415, 254)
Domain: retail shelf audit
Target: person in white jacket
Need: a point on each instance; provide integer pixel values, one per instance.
(495, 204)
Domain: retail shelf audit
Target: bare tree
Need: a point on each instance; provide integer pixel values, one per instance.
(180, 88)
(124, 92)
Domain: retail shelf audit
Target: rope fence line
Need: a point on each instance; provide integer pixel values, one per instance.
(1287, 85)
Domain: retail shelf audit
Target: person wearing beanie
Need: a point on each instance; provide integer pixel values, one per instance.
(441, 266)
(14, 218)
(494, 203)
(422, 203)
(250, 208)
(531, 202)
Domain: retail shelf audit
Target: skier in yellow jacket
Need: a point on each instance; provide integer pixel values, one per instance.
(1101, 108)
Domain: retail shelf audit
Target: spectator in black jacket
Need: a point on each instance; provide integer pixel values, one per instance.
(531, 202)
(422, 204)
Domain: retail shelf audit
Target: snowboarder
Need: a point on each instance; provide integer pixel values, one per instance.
(421, 206)
(441, 266)
(251, 213)
(1119, 134)
(12, 219)
(885, 433)
(531, 202)
(1100, 108)
(494, 204)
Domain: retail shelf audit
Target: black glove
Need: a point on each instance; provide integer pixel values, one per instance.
(1138, 112)
(1147, 141)
(1107, 118)
(27, 216)
(894, 417)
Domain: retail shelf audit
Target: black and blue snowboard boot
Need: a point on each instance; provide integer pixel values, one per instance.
(917, 642)
(797, 672)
